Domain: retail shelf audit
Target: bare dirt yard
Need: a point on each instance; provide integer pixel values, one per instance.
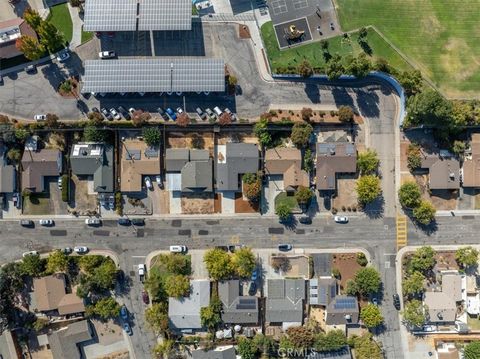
(347, 265)
(194, 140)
(346, 198)
(202, 203)
(225, 137)
(83, 203)
(244, 206)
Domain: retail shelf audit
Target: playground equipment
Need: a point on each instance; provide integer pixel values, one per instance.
(292, 33)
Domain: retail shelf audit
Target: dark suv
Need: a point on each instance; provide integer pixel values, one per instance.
(396, 301)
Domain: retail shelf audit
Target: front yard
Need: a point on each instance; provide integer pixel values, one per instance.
(60, 17)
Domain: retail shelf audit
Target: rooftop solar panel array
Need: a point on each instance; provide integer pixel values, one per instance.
(165, 15)
(154, 75)
(110, 15)
(345, 303)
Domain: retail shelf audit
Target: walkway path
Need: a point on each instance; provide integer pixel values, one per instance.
(77, 27)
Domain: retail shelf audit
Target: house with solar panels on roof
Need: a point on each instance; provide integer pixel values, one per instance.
(237, 308)
(143, 21)
(342, 312)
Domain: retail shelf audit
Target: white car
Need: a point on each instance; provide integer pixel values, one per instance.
(60, 182)
(106, 54)
(115, 114)
(63, 55)
(148, 182)
(141, 270)
(340, 219)
(158, 179)
(46, 222)
(30, 253)
(179, 110)
(131, 110)
(40, 117)
(93, 221)
(80, 249)
(178, 249)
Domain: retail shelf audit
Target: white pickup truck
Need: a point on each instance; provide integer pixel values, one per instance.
(141, 272)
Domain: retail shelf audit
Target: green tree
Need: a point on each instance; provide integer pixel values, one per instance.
(409, 195)
(154, 285)
(232, 80)
(32, 18)
(366, 347)
(177, 286)
(367, 162)
(472, 350)
(359, 66)
(177, 263)
(362, 259)
(11, 283)
(93, 134)
(335, 68)
(303, 195)
(301, 132)
(413, 284)
(105, 308)
(30, 47)
(210, 316)
(57, 262)
(301, 337)
(164, 349)
(424, 213)
(411, 82)
(429, 108)
(422, 260)
(283, 210)
(362, 33)
(414, 157)
(218, 263)
(368, 189)
(459, 147)
(157, 317)
(21, 134)
(90, 262)
(345, 114)
(249, 178)
(308, 162)
(332, 341)
(252, 190)
(414, 313)
(351, 287)
(261, 131)
(305, 69)
(243, 261)
(264, 343)
(14, 155)
(32, 265)
(466, 256)
(151, 136)
(371, 316)
(104, 276)
(247, 348)
(367, 281)
(50, 37)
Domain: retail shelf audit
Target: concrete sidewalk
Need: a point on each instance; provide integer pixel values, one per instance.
(77, 27)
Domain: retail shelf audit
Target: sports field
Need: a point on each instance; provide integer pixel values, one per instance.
(441, 36)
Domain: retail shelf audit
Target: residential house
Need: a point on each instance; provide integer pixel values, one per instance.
(334, 158)
(471, 164)
(287, 162)
(234, 160)
(9, 347)
(8, 173)
(443, 169)
(473, 296)
(137, 160)
(184, 313)
(285, 302)
(10, 32)
(189, 171)
(237, 309)
(322, 291)
(343, 353)
(52, 298)
(342, 310)
(65, 342)
(442, 305)
(39, 164)
(225, 352)
(95, 162)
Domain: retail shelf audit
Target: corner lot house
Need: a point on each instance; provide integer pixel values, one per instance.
(137, 160)
(65, 342)
(471, 164)
(237, 309)
(285, 300)
(10, 31)
(443, 169)
(334, 158)
(288, 163)
(40, 164)
(184, 313)
(189, 171)
(342, 310)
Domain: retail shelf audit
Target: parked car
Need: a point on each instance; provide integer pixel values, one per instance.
(127, 328)
(158, 179)
(162, 113)
(67, 250)
(200, 113)
(92, 221)
(332, 27)
(285, 247)
(124, 221)
(178, 249)
(16, 200)
(138, 221)
(179, 110)
(29, 253)
(95, 109)
(131, 110)
(63, 55)
(124, 112)
(115, 114)
(80, 249)
(341, 219)
(60, 182)
(252, 289)
(123, 312)
(217, 111)
(148, 183)
(141, 271)
(107, 114)
(145, 297)
(170, 113)
(233, 248)
(396, 301)
(40, 117)
(106, 54)
(254, 276)
(27, 223)
(209, 112)
(305, 220)
(30, 69)
(232, 115)
(46, 222)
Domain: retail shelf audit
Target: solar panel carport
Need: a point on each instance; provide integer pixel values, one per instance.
(132, 15)
(154, 75)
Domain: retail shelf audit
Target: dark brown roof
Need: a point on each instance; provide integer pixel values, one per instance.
(333, 158)
(37, 165)
(8, 49)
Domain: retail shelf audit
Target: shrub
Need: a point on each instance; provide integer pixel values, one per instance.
(249, 178)
(151, 136)
(345, 114)
(305, 69)
(362, 259)
(183, 120)
(414, 159)
(303, 195)
(225, 119)
(301, 132)
(307, 113)
(409, 195)
(118, 203)
(139, 118)
(424, 213)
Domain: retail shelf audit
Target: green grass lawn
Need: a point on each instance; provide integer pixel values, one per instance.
(313, 52)
(60, 17)
(441, 37)
(36, 204)
(86, 35)
(291, 200)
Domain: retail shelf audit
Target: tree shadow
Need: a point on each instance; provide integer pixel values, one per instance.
(342, 97)
(375, 209)
(290, 223)
(368, 103)
(366, 47)
(313, 92)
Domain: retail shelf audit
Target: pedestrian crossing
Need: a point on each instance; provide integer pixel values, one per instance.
(401, 231)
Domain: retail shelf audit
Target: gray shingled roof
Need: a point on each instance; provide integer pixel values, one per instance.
(94, 159)
(342, 310)
(322, 264)
(63, 342)
(241, 158)
(334, 158)
(176, 158)
(218, 353)
(322, 290)
(237, 309)
(285, 300)
(197, 176)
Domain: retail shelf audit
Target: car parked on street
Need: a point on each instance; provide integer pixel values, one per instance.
(29, 253)
(40, 117)
(27, 223)
(106, 54)
(138, 221)
(30, 69)
(285, 247)
(141, 272)
(92, 221)
(396, 301)
(80, 249)
(46, 222)
(145, 297)
(124, 221)
(127, 328)
(178, 249)
(67, 250)
(340, 219)
(123, 312)
(63, 55)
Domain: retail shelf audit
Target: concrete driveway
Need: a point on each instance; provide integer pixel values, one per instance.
(274, 187)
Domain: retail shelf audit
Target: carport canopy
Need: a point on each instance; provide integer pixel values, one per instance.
(133, 15)
(154, 75)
